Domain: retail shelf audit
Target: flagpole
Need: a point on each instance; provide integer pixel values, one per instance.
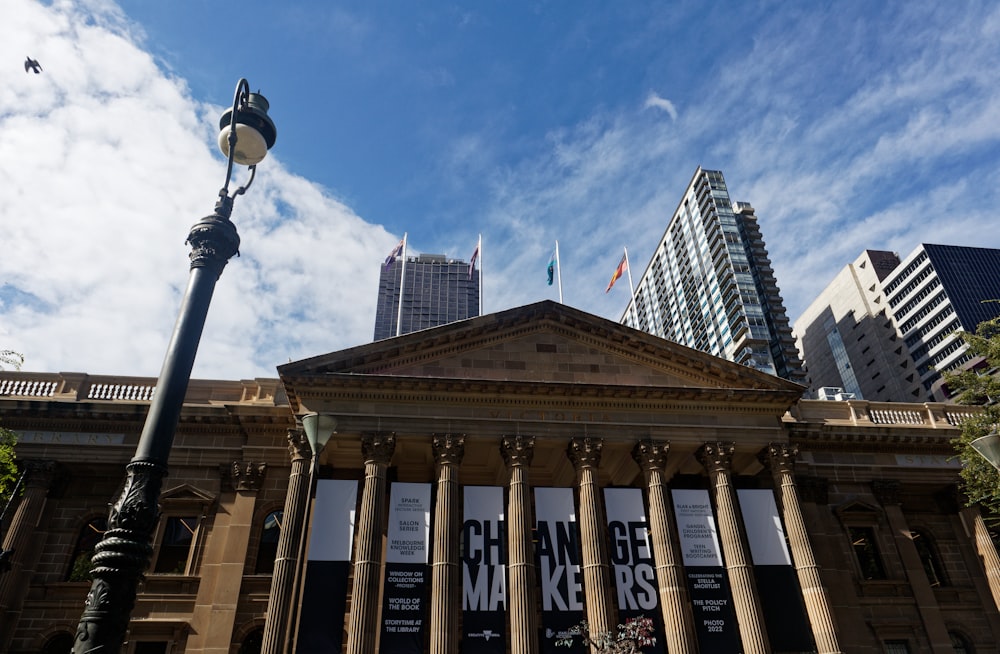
(559, 273)
(402, 279)
(631, 288)
(479, 247)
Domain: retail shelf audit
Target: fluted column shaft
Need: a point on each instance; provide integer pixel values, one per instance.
(22, 539)
(585, 453)
(448, 452)
(521, 577)
(678, 621)
(362, 631)
(717, 458)
(287, 567)
(782, 460)
(985, 548)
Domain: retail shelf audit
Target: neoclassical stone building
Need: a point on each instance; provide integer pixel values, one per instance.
(490, 483)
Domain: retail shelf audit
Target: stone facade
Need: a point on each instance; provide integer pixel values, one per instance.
(880, 548)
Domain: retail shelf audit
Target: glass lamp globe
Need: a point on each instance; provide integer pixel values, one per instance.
(251, 148)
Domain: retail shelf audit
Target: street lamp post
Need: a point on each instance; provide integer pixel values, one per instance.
(122, 555)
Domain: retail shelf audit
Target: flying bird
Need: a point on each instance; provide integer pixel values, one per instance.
(32, 64)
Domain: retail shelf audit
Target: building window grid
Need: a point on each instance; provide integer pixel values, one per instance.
(944, 334)
(915, 281)
(918, 297)
(902, 275)
(944, 354)
(924, 312)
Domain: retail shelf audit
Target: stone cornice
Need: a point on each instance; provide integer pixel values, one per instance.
(873, 439)
(333, 387)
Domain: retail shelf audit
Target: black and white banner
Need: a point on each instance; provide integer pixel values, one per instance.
(407, 575)
(708, 585)
(557, 550)
(484, 571)
(777, 584)
(632, 563)
(324, 594)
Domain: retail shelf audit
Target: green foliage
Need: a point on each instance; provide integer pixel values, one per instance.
(981, 479)
(630, 638)
(8, 466)
(81, 567)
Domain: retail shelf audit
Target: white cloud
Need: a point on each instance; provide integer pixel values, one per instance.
(654, 100)
(107, 163)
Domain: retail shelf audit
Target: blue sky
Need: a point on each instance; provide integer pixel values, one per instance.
(847, 125)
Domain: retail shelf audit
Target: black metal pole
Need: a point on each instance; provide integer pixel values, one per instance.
(123, 553)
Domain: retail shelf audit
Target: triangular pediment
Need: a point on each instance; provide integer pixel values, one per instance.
(186, 495)
(546, 342)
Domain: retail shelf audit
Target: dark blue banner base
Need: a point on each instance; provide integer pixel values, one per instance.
(324, 601)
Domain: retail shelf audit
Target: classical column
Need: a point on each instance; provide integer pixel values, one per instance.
(972, 517)
(362, 631)
(25, 543)
(781, 458)
(585, 453)
(445, 580)
(678, 621)
(887, 493)
(717, 459)
(280, 603)
(221, 572)
(517, 452)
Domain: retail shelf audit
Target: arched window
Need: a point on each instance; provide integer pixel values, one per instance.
(929, 558)
(90, 535)
(254, 640)
(268, 548)
(58, 644)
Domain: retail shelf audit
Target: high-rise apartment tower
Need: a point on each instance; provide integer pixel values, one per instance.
(884, 328)
(710, 284)
(437, 290)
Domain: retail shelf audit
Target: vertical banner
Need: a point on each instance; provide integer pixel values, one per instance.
(708, 585)
(484, 571)
(324, 593)
(632, 563)
(407, 575)
(557, 552)
(777, 584)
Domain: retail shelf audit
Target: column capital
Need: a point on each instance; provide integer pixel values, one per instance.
(244, 475)
(585, 452)
(378, 447)
(886, 491)
(448, 448)
(780, 457)
(717, 457)
(298, 445)
(650, 454)
(40, 472)
(517, 450)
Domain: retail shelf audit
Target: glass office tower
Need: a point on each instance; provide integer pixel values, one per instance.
(899, 319)
(710, 284)
(437, 291)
